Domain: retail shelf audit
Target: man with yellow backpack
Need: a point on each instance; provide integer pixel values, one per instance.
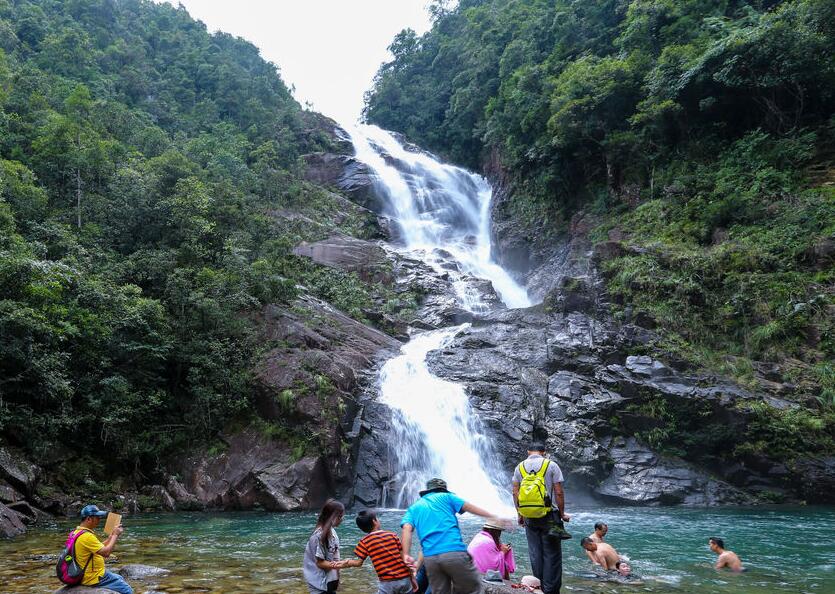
(540, 504)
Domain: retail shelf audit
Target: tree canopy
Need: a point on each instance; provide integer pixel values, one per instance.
(140, 157)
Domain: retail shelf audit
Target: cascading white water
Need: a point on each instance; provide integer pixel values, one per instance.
(442, 213)
(437, 207)
(435, 431)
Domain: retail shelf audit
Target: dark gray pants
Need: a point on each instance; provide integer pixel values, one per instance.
(545, 551)
(452, 573)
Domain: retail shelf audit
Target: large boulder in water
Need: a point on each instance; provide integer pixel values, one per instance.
(256, 471)
(11, 522)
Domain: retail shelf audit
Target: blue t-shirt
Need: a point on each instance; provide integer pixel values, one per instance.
(434, 520)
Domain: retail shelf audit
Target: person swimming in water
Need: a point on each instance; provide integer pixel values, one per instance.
(727, 559)
(601, 553)
(600, 530)
(623, 568)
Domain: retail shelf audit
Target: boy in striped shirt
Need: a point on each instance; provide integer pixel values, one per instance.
(386, 554)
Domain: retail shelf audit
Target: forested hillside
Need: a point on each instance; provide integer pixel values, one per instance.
(141, 161)
(697, 134)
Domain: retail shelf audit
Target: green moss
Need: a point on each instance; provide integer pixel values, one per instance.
(787, 433)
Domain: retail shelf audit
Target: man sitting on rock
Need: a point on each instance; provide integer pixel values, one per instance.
(90, 553)
(601, 553)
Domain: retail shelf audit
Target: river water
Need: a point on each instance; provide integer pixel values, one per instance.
(786, 550)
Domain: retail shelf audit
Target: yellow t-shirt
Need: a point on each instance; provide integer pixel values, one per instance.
(86, 545)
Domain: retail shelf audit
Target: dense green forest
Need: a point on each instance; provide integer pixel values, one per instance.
(140, 159)
(699, 133)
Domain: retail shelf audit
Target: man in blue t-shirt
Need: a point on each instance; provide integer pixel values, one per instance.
(445, 556)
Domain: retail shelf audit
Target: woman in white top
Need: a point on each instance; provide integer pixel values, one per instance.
(321, 555)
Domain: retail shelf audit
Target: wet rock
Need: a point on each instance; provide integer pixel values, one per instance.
(440, 302)
(816, 477)
(640, 476)
(573, 294)
(83, 590)
(136, 571)
(28, 514)
(324, 169)
(164, 498)
(498, 589)
(17, 471)
(11, 522)
(357, 182)
(256, 471)
(373, 456)
(365, 258)
(9, 494)
(184, 500)
(324, 354)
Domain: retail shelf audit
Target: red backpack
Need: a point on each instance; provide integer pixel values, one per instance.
(67, 568)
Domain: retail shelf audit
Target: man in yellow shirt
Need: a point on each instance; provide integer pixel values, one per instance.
(90, 553)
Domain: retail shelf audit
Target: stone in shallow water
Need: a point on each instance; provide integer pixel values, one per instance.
(83, 590)
(137, 571)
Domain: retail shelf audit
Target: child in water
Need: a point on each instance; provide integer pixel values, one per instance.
(321, 555)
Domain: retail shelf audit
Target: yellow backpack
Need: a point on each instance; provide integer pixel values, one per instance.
(534, 499)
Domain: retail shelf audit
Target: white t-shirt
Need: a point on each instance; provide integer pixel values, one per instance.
(319, 578)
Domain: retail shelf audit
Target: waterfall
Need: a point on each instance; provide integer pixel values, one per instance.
(442, 214)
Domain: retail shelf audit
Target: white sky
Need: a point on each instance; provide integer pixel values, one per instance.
(329, 49)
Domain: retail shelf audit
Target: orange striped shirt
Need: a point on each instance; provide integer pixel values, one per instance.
(386, 554)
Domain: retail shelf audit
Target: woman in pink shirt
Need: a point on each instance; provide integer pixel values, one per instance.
(488, 552)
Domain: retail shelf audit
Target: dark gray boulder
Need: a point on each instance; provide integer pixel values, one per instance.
(18, 472)
(256, 471)
(11, 522)
(640, 476)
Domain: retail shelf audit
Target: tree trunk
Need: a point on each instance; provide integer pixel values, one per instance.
(78, 196)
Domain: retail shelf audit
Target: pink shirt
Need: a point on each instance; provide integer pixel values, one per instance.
(488, 557)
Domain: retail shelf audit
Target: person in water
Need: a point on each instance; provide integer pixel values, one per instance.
(623, 568)
(727, 559)
(321, 563)
(545, 534)
(434, 518)
(600, 530)
(90, 552)
(386, 554)
(601, 553)
(489, 553)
